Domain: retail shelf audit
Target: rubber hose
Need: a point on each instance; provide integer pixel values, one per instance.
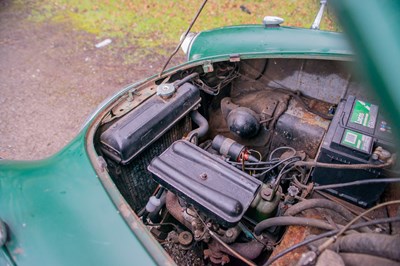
(289, 220)
(322, 203)
(185, 79)
(319, 203)
(199, 120)
(386, 246)
(354, 259)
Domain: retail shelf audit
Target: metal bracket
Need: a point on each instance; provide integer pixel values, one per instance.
(234, 58)
(208, 67)
(131, 100)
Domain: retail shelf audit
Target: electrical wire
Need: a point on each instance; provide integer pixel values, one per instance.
(277, 164)
(330, 233)
(252, 163)
(350, 209)
(282, 148)
(214, 90)
(344, 166)
(297, 183)
(258, 153)
(333, 239)
(282, 172)
(357, 183)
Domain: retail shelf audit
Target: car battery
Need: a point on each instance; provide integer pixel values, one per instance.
(353, 137)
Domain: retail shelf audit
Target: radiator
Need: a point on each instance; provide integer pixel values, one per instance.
(133, 180)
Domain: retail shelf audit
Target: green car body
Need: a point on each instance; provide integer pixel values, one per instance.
(61, 211)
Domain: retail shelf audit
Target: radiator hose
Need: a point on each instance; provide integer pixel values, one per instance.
(201, 131)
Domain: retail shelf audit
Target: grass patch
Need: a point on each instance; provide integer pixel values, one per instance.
(154, 25)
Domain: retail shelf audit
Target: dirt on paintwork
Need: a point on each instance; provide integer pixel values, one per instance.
(52, 76)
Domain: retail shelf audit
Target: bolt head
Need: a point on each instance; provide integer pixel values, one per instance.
(203, 176)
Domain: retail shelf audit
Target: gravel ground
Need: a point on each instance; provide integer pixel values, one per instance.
(52, 77)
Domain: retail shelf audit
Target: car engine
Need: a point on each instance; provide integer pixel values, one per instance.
(241, 162)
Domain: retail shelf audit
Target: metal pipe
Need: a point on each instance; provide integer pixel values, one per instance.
(184, 36)
(231, 251)
(175, 209)
(318, 18)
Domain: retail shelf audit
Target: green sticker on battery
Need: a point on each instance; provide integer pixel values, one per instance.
(357, 140)
(364, 114)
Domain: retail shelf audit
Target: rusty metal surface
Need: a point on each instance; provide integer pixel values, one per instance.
(128, 102)
(218, 253)
(176, 210)
(296, 234)
(292, 236)
(300, 129)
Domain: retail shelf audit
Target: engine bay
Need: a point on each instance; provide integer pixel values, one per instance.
(244, 162)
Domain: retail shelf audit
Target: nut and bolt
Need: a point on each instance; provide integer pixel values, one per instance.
(229, 233)
(203, 176)
(197, 234)
(185, 238)
(293, 191)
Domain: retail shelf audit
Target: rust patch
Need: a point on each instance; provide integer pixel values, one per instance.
(293, 235)
(297, 109)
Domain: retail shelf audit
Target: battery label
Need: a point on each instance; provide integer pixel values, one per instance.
(364, 114)
(357, 140)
